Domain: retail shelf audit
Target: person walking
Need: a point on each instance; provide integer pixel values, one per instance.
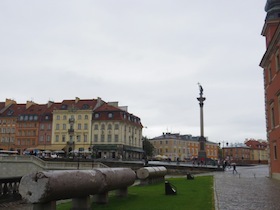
(234, 168)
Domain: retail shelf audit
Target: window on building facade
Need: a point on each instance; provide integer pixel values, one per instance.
(58, 117)
(278, 98)
(269, 75)
(109, 138)
(49, 126)
(48, 138)
(116, 138)
(56, 138)
(272, 116)
(64, 126)
(85, 138)
(79, 126)
(57, 127)
(79, 117)
(41, 139)
(95, 138)
(109, 127)
(95, 126)
(63, 138)
(102, 127)
(85, 126)
(78, 138)
(116, 126)
(86, 117)
(110, 115)
(277, 61)
(42, 126)
(275, 151)
(96, 115)
(64, 117)
(102, 138)
(166, 150)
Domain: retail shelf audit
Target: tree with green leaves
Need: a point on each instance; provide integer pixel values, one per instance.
(148, 147)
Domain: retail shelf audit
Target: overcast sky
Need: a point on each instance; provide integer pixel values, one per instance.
(149, 55)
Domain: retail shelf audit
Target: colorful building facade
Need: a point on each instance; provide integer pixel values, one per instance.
(184, 147)
(89, 126)
(271, 72)
(259, 149)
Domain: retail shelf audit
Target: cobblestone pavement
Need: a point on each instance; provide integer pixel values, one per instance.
(249, 189)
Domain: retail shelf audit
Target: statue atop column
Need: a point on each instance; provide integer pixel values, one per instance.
(200, 89)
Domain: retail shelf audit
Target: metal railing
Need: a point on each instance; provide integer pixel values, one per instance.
(51, 165)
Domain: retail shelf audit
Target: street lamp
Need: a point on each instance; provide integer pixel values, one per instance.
(9, 140)
(45, 142)
(223, 142)
(71, 133)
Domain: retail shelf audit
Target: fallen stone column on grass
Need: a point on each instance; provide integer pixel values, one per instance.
(148, 175)
(43, 189)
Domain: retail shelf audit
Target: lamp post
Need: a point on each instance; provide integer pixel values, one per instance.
(71, 133)
(223, 142)
(9, 140)
(45, 141)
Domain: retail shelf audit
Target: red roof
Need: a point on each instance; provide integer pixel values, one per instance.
(254, 144)
(117, 114)
(14, 110)
(2, 105)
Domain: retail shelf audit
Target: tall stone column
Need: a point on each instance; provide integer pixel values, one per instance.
(202, 139)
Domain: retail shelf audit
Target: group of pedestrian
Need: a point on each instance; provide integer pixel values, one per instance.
(227, 164)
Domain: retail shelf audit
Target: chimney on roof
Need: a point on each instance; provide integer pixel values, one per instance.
(9, 102)
(115, 104)
(50, 103)
(29, 104)
(99, 103)
(124, 108)
(77, 100)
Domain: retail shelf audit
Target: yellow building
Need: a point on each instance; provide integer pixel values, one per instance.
(72, 122)
(116, 133)
(258, 150)
(174, 145)
(98, 128)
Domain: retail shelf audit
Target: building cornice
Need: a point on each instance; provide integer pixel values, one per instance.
(271, 48)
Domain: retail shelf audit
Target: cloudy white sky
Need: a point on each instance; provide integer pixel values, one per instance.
(149, 55)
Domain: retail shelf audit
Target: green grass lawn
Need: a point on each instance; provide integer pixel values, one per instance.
(194, 194)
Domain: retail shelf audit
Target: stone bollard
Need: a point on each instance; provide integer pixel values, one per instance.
(43, 189)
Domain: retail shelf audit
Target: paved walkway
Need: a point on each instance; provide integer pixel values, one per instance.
(250, 189)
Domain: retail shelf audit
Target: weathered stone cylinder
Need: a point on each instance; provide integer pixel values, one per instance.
(42, 187)
(151, 172)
